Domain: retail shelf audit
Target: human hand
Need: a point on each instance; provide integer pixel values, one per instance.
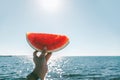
(37, 59)
(40, 63)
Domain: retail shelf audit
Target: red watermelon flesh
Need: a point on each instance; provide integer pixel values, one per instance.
(53, 42)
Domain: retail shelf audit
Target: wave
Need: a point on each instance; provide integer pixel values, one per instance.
(71, 77)
(13, 79)
(91, 77)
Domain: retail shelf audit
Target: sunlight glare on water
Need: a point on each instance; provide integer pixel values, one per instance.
(56, 67)
(62, 68)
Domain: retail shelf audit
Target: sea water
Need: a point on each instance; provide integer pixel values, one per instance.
(63, 68)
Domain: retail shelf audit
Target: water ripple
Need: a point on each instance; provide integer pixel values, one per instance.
(63, 68)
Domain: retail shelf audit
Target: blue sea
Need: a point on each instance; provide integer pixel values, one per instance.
(63, 68)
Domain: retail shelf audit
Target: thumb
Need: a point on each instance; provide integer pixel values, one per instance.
(35, 53)
(44, 50)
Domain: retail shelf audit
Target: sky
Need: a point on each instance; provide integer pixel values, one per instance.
(93, 26)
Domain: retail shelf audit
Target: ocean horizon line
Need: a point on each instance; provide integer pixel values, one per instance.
(60, 55)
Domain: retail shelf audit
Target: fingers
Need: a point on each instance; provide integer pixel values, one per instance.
(35, 53)
(44, 50)
(48, 56)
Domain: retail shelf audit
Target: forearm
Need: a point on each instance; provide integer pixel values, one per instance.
(32, 76)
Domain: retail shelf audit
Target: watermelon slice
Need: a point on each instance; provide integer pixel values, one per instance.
(53, 42)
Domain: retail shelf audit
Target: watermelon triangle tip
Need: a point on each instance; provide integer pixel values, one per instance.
(28, 33)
